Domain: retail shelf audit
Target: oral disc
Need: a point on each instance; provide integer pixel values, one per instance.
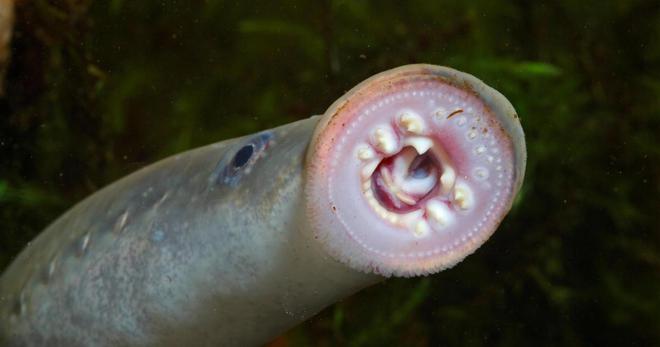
(412, 170)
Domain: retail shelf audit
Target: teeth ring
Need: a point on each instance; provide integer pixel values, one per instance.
(398, 176)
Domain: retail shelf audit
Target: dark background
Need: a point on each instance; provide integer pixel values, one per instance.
(97, 90)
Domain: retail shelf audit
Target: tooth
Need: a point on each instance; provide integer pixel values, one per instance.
(463, 196)
(401, 164)
(422, 228)
(421, 144)
(459, 196)
(409, 219)
(388, 180)
(368, 169)
(405, 197)
(411, 122)
(385, 141)
(438, 212)
(392, 218)
(366, 186)
(365, 153)
(447, 179)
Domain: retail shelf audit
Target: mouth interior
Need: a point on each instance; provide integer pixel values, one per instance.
(403, 182)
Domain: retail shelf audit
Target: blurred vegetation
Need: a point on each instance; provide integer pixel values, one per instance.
(97, 90)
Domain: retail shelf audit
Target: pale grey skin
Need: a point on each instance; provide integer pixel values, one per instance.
(170, 255)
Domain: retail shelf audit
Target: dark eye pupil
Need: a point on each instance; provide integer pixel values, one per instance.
(243, 155)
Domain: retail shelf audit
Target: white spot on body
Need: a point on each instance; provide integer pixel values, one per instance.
(121, 222)
(84, 243)
(50, 271)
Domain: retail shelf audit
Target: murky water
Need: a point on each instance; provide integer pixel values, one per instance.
(95, 91)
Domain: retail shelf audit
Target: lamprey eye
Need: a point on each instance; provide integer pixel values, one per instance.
(239, 162)
(243, 156)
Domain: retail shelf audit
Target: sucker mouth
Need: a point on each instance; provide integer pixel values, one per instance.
(408, 178)
(412, 170)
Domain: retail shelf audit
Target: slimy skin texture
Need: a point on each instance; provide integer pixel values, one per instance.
(236, 242)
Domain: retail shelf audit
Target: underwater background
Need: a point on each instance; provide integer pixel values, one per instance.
(96, 90)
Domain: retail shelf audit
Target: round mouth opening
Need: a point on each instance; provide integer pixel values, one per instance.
(411, 171)
(403, 182)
